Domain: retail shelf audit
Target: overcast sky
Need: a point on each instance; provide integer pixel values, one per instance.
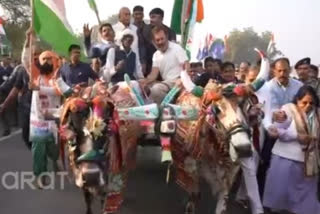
(295, 23)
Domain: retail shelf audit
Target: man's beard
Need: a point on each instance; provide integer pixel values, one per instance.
(161, 47)
(46, 68)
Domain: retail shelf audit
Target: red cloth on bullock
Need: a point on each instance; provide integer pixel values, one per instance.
(122, 151)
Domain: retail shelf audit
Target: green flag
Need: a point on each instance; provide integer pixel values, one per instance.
(176, 18)
(51, 24)
(92, 5)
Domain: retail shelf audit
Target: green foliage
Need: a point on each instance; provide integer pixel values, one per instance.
(16, 34)
(17, 11)
(241, 45)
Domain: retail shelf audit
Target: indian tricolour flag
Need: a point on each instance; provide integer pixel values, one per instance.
(185, 14)
(51, 24)
(271, 45)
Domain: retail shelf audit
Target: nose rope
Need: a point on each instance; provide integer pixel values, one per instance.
(237, 129)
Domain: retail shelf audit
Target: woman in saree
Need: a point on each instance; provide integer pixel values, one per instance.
(291, 183)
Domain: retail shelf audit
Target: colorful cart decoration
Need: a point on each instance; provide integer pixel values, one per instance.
(160, 120)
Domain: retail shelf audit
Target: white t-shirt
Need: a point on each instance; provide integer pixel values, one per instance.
(170, 62)
(46, 99)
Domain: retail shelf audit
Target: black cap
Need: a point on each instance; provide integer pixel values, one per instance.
(304, 61)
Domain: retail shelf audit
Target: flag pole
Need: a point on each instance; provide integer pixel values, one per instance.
(97, 14)
(93, 6)
(31, 44)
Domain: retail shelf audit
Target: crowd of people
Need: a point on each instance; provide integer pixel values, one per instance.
(149, 53)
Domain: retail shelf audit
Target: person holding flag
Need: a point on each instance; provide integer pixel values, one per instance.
(106, 33)
(45, 104)
(99, 50)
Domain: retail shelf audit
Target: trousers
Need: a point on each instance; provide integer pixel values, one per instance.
(42, 148)
(158, 91)
(249, 176)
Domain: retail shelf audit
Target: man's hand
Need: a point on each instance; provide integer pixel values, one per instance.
(77, 89)
(279, 116)
(29, 33)
(143, 83)
(273, 132)
(178, 83)
(119, 65)
(86, 30)
(304, 139)
(34, 86)
(144, 68)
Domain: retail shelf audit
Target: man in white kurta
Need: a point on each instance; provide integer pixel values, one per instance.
(122, 27)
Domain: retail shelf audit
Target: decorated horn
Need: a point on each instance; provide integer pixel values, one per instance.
(133, 91)
(186, 81)
(265, 65)
(189, 85)
(263, 73)
(170, 96)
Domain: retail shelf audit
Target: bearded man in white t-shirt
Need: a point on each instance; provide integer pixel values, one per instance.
(168, 62)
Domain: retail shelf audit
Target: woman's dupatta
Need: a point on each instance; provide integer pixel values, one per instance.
(308, 125)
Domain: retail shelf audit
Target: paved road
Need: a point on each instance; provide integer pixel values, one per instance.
(147, 192)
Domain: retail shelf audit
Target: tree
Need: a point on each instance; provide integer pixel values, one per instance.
(16, 33)
(17, 11)
(241, 45)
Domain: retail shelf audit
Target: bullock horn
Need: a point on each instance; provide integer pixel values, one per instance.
(186, 81)
(169, 97)
(189, 85)
(263, 73)
(133, 91)
(64, 89)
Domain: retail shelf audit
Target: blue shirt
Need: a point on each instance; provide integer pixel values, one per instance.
(273, 95)
(75, 74)
(281, 95)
